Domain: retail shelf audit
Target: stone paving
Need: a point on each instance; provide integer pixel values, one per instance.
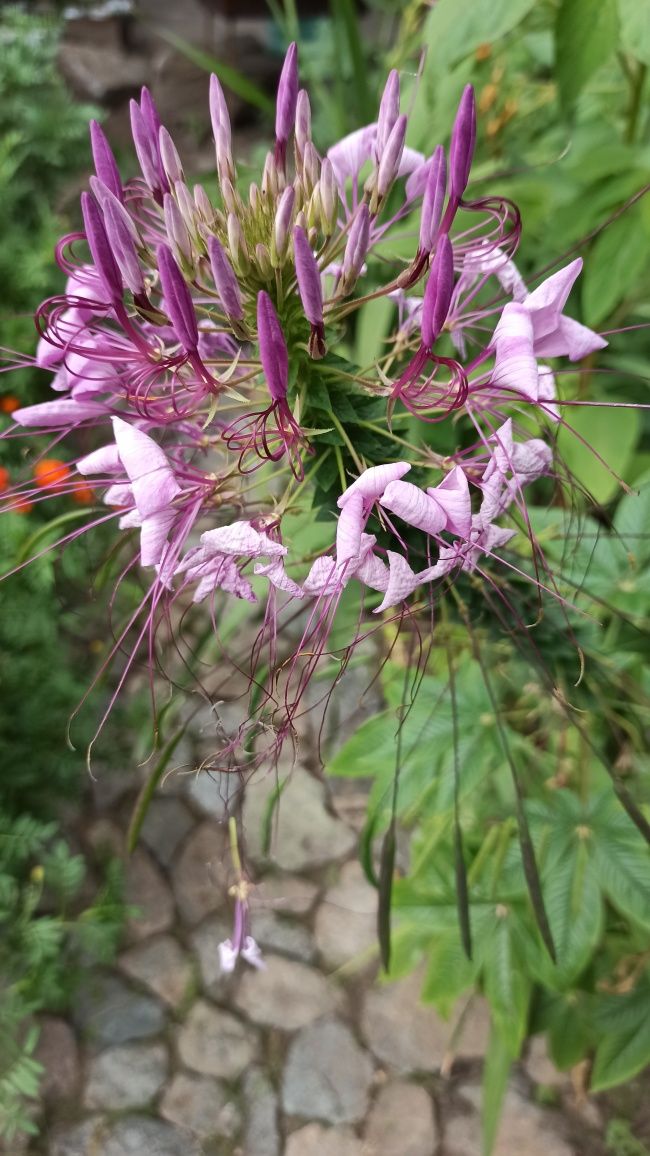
(313, 1056)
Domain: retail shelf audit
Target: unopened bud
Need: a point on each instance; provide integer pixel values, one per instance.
(463, 140)
(177, 231)
(282, 226)
(146, 150)
(104, 161)
(391, 157)
(203, 204)
(177, 300)
(120, 231)
(356, 247)
(100, 248)
(329, 197)
(310, 168)
(230, 197)
(254, 198)
(237, 245)
(263, 258)
(433, 200)
(273, 348)
(437, 295)
(170, 160)
(303, 125)
(225, 280)
(225, 162)
(285, 107)
(388, 111)
(219, 114)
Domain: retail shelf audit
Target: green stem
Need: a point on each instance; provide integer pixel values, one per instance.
(637, 82)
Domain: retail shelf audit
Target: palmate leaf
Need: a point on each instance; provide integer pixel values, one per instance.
(624, 1047)
(575, 910)
(498, 1061)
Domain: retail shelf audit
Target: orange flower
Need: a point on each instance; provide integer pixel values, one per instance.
(83, 494)
(9, 403)
(4, 479)
(50, 473)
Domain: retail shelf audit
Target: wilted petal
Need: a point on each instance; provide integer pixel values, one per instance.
(453, 496)
(153, 536)
(227, 956)
(278, 577)
(401, 582)
(373, 481)
(240, 539)
(252, 953)
(349, 529)
(324, 577)
(373, 572)
(413, 506)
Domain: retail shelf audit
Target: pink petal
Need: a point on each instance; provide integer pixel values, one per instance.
(278, 577)
(324, 577)
(373, 481)
(241, 539)
(373, 572)
(570, 339)
(413, 506)
(515, 367)
(401, 582)
(153, 536)
(454, 498)
(350, 154)
(57, 414)
(152, 478)
(349, 529)
(547, 393)
(105, 460)
(547, 301)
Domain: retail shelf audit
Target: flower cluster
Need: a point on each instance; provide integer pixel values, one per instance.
(202, 342)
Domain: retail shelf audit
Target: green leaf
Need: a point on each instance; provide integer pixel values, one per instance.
(575, 911)
(455, 28)
(506, 984)
(632, 521)
(498, 1061)
(586, 34)
(635, 28)
(621, 1054)
(237, 81)
(616, 261)
(623, 869)
(610, 433)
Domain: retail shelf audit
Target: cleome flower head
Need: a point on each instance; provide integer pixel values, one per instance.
(203, 348)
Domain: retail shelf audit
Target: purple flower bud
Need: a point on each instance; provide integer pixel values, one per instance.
(152, 121)
(177, 233)
(308, 274)
(230, 197)
(388, 111)
(178, 301)
(225, 162)
(169, 158)
(104, 161)
(146, 149)
(224, 278)
(437, 295)
(357, 245)
(219, 114)
(283, 221)
(285, 107)
(273, 349)
(119, 231)
(391, 156)
(303, 122)
(463, 139)
(433, 199)
(100, 248)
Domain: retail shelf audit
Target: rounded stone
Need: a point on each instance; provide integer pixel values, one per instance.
(327, 1075)
(108, 1012)
(140, 1135)
(146, 889)
(284, 994)
(166, 824)
(201, 873)
(200, 1104)
(205, 942)
(523, 1128)
(287, 894)
(402, 1031)
(303, 833)
(346, 921)
(162, 966)
(401, 1122)
(315, 1140)
(214, 1043)
(261, 1135)
(58, 1052)
(126, 1077)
